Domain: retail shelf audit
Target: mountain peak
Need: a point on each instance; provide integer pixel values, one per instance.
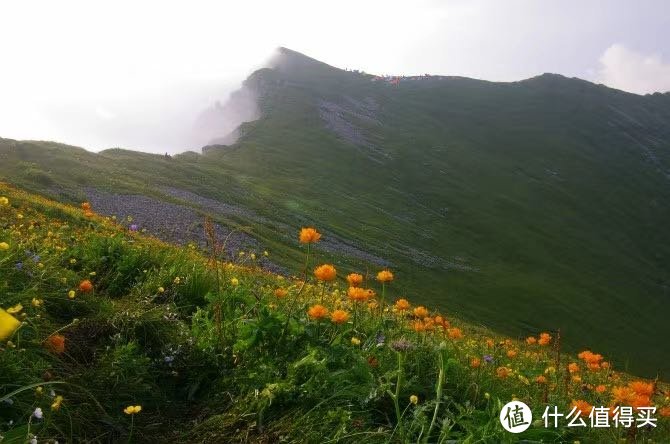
(289, 61)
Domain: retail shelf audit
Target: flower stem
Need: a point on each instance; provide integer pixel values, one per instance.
(438, 395)
(132, 424)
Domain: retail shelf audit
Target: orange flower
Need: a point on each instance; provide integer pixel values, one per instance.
(601, 388)
(85, 286)
(593, 366)
(357, 294)
(317, 312)
(511, 353)
(429, 323)
(325, 272)
(309, 235)
(541, 379)
(439, 320)
(56, 343)
(641, 401)
(418, 326)
(354, 279)
(86, 206)
(89, 213)
(385, 276)
(503, 372)
(582, 406)
(545, 339)
(420, 311)
(475, 362)
(624, 396)
(591, 359)
(530, 340)
(665, 412)
(573, 367)
(281, 292)
(490, 343)
(642, 388)
(402, 304)
(455, 333)
(339, 317)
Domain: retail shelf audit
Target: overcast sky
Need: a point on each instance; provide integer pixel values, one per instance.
(137, 74)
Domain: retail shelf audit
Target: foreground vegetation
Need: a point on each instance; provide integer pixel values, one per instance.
(108, 335)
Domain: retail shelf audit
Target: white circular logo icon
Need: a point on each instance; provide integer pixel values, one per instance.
(516, 416)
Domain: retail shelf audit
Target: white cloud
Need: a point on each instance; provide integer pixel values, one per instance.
(632, 71)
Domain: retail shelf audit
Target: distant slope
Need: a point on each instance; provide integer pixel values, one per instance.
(531, 205)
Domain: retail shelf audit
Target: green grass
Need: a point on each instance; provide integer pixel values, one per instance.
(212, 354)
(538, 200)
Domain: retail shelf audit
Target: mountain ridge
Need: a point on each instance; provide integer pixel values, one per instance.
(521, 205)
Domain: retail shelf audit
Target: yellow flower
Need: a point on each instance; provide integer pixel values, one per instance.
(71, 294)
(355, 341)
(385, 276)
(177, 280)
(414, 399)
(57, 402)
(15, 309)
(265, 253)
(161, 290)
(4, 201)
(234, 282)
(4, 246)
(253, 256)
(39, 390)
(8, 324)
(132, 409)
(73, 261)
(36, 302)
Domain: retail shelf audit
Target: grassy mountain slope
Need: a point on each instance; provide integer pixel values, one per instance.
(526, 206)
(96, 318)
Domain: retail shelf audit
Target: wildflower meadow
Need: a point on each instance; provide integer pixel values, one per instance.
(110, 335)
